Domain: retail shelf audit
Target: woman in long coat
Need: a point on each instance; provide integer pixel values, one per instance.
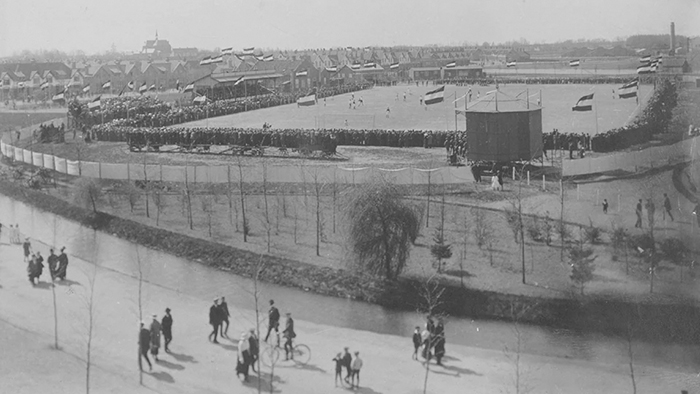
(243, 362)
(155, 337)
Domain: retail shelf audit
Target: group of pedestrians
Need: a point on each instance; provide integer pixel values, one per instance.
(650, 207)
(58, 264)
(352, 367)
(431, 341)
(13, 235)
(218, 315)
(149, 338)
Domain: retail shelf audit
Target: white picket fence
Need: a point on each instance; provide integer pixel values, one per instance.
(222, 174)
(632, 161)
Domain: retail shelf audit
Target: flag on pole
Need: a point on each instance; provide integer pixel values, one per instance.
(268, 58)
(200, 99)
(302, 73)
(205, 61)
(306, 100)
(218, 59)
(645, 59)
(511, 63)
(86, 89)
(59, 96)
(451, 64)
(107, 85)
(248, 51)
(227, 51)
(259, 58)
(130, 85)
(45, 85)
(95, 103)
(348, 48)
(356, 66)
(152, 87)
(574, 63)
(332, 69)
(629, 89)
(644, 69)
(188, 88)
(394, 66)
(585, 103)
(143, 88)
(369, 64)
(435, 96)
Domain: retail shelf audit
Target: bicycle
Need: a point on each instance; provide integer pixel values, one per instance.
(270, 353)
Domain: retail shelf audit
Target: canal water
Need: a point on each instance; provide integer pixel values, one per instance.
(193, 279)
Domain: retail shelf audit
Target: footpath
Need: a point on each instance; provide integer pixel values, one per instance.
(29, 364)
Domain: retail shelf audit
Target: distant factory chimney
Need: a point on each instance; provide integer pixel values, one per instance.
(673, 39)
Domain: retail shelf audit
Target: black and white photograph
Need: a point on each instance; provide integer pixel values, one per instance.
(367, 196)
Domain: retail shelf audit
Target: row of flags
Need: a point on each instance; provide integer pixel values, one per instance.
(229, 52)
(572, 63)
(628, 90)
(649, 65)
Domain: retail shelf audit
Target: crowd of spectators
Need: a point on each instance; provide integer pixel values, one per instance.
(148, 111)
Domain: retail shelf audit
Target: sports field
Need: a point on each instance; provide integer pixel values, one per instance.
(557, 101)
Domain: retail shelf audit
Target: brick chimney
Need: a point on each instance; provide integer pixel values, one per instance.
(673, 39)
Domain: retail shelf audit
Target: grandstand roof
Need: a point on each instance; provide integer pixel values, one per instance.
(497, 101)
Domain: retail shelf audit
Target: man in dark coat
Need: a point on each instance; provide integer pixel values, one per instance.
(27, 246)
(347, 362)
(289, 335)
(144, 345)
(274, 320)
(53, 264)
(254, 349)
(62, 264)
(166, 325)
(224, 314)
(214, 320)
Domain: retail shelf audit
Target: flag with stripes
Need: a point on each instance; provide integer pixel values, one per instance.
(332, 69)
(130, 85)
(217, 59)
(227, 51)
(143, 88)
(629, 89)
(585, 103)
(259, 58)
(645, 59)
(356, 66)
(60, 96)
(574, 63)
(200, 99)
(370, 64)
(451, 64)
(644, 69)
(435, 96)
(394, 66)
(248, 51)
(107, 85)
(306, 100)
(152, 87)
(86, 89)
(188, 88)
(95, 104)
(301, 73)
(268, 58)
(511, 63)
(45, 85)
(205, 61)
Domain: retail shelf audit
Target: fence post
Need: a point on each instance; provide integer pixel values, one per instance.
(578, 192)
(528, 178)
(161, 172)
(618, 202)
(513, 173)
(597, 196)
(543, 185)
(99, 169)
(128, 172)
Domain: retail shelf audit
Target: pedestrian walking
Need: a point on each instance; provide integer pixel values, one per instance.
(494, 182)
(426, 337)
(667, 208)
(638, 212)
(144, 345)
(18, 234)
(439, 341)
(155, 337)
(34, 268)
(338, 368)
(224, 313)
(62, 264)
(388, 110)
(254, 348)
(289, 335)
(52, 261)
(605, 206)
(243, 359)
(347, 363)
(416, 342)
(214, 320)
(166, 325)
(27, 246)
(356, 366)
(651, 208)
(273, 315)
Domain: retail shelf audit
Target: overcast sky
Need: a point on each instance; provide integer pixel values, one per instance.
(94, 25)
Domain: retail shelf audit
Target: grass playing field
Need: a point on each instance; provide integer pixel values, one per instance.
(409, 114)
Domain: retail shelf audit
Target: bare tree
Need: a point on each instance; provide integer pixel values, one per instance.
(630, 356)
(88, 193)
(139, 266)
(207, 199)
(266, 223)
(159, 202)
(431, 293)
(146, 183)
(318, 189)
(440, 249)
(89, 303)
(514, 354)
(241, 191)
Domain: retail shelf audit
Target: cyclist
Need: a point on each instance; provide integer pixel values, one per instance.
(274, 321)
(289, 334)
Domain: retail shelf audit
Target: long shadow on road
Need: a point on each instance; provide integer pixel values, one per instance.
(169, 365)
(162, 376)
(183, 358)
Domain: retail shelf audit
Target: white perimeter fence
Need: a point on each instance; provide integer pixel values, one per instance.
(222, 174)
(652, 157)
